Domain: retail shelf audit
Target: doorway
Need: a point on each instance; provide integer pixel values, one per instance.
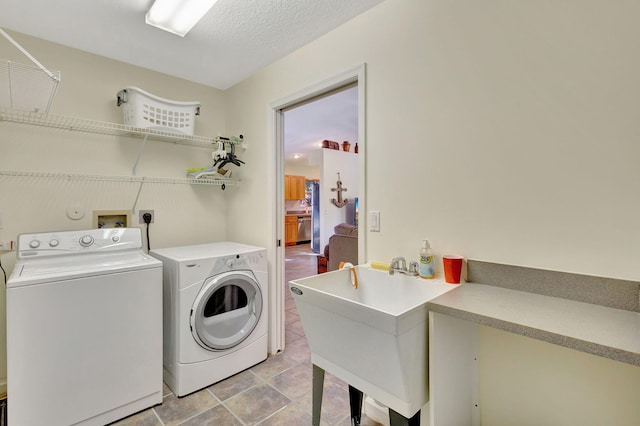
(352, 79)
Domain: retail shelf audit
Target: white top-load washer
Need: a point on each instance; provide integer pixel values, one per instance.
(84, 333)
(215, 312)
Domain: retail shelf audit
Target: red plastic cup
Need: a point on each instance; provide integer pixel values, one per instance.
(452, 268)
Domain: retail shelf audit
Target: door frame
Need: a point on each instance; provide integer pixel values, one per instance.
(276, 132)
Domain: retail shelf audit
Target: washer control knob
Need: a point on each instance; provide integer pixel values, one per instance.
(86, 240)
(229, 263)
(54, 243)
(34, 244)
(115, 238)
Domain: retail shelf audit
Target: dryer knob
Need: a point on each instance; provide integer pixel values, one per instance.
(34, 244)
(54, 243)
(229, 263)
(86, 240)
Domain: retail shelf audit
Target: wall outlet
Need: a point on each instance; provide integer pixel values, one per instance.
(142, 212)
(7, 245)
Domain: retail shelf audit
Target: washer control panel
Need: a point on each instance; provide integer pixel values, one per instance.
(68, 242)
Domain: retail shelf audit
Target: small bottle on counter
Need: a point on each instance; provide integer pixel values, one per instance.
(426, 267)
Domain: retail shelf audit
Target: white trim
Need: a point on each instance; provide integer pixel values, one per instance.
(276, 185)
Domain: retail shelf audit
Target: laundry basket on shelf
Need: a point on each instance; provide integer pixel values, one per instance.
(145, 110)
(26, 87)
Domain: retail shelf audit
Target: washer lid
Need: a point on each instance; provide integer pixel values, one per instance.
(226, 310)
(35, 271)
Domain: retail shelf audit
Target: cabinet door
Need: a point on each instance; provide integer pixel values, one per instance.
(288, 186)
(290, 230)
(294, 187)
(300, 188)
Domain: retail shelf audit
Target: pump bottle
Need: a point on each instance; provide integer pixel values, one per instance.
(426, 261)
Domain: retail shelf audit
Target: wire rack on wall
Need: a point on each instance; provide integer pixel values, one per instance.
(26, 87)
(133, 179)
(100, 127)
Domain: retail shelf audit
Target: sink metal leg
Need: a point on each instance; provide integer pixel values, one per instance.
(397, 419)
(355, 403)
(318, 384)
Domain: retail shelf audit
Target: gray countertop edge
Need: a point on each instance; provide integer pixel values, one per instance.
(594, 348)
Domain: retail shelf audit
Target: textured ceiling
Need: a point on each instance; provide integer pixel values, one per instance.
(233, 41)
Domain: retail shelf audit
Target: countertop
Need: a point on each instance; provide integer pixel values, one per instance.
(598, 330)
(298, 214)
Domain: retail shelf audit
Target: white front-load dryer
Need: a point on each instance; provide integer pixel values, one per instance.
(215, 312)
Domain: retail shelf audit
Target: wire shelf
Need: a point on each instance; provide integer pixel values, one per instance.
(26, 87)
(100, 127)
(131, 179)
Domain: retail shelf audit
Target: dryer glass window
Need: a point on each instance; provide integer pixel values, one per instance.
(226, 310)
(225, 299)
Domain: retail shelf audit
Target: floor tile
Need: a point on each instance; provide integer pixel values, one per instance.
(291, 415)
(165, 389)
(216, 416)
(294, 382)
(296, 327)
(289, 304)
(291, 316)
(257, 403)
(234, 385)
(298, 350)
(335, 403)
(364, 421)
(275, 364)
(174, 410)
(143, 418)
(290, 336)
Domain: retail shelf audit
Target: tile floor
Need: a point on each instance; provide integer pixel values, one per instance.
(274, 392)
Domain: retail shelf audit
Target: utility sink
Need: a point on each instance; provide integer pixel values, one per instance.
(374, 337)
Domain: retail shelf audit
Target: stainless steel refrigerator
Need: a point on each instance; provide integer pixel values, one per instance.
(315, 217)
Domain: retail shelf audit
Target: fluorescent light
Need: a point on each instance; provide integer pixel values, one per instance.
(177, 16)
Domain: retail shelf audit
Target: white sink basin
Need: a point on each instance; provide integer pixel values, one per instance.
(375, 337)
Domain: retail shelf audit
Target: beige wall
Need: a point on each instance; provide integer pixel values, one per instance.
(509, 128)
(183, 214)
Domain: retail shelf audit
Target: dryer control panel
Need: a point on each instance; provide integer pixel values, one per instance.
(63, 243)
(243, 261)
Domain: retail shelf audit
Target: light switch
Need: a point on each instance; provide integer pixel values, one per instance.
(374, 221)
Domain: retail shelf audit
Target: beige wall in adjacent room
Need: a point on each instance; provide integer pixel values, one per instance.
(504, 131)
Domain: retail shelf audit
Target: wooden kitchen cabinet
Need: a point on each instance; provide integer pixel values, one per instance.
(290, 230)
(294, 187)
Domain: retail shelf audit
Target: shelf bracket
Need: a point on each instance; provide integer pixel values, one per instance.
(140, 151)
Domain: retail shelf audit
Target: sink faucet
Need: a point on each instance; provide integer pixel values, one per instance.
(399, 264)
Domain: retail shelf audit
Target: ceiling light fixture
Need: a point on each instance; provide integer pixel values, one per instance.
(177, 16)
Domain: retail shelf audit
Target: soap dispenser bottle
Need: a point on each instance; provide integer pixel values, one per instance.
(426, 261)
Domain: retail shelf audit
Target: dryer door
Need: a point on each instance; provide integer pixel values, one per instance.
(226, 310)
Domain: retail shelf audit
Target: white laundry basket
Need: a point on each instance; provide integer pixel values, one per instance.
(142, 109)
